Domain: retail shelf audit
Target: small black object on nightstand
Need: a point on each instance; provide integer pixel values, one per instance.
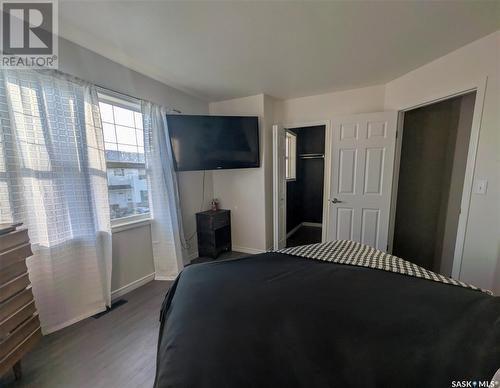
(214, 232)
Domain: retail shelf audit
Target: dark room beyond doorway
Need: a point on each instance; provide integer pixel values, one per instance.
(304, 213)
(435, 143)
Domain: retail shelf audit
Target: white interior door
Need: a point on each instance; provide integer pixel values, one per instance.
(279, 187)
(362, 171)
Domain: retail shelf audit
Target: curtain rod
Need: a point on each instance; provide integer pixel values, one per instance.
(100, 86)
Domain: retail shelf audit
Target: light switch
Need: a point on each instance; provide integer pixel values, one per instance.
(481, 186)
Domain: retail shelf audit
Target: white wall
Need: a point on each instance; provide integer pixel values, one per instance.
(326, 106)
(132, 256)
(128, 264)
(243, 190)
(455, 71)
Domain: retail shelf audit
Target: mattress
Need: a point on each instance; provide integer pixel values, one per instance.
(280, 320)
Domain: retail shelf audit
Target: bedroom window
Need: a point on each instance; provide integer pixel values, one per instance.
(290, 156)
(126, 170)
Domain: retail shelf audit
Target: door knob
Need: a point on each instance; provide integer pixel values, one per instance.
(335, 200)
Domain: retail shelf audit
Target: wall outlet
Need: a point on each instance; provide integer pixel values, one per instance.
(481, 186)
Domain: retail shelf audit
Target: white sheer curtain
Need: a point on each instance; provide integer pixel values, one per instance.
(53, 178)
(166, 227)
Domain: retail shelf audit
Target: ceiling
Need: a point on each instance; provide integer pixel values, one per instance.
(221, 50)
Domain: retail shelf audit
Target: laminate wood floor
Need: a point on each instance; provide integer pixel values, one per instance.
(118, 350)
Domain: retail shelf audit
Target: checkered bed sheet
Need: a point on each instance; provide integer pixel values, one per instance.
(353, 253)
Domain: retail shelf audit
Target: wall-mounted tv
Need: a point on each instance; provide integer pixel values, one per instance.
(214, 142)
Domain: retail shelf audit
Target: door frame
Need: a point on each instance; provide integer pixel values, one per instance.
(327, 169)
(479, 87)
(276, 187)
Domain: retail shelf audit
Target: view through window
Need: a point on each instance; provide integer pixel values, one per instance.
(124, 146)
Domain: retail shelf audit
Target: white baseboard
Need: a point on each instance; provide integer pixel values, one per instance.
(132, 286)
(251, 251)
(293, 230)
(165, 278)
(314, 224)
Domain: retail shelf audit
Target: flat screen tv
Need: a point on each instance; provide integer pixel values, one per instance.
(214, 142)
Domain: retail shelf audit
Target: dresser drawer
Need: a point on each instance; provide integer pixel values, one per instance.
(14, 255)
(12, 271)
(212, 220)
(15, 303)
(220, 220)
(13, 287)
(11, 322)
(13, 239)
(8, 361)
(19, 323)
(16, 337)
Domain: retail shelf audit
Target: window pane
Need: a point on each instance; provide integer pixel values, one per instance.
(110, 147)
(138, 120)
(106, 112)
(124, 142)
(128, 192)
(127, 148)
(124, 116)
(109, 132)
(140, 138)
(125, 135)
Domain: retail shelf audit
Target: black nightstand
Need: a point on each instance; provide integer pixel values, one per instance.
(214, 232)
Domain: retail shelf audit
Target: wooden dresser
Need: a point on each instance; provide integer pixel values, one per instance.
(19, 324)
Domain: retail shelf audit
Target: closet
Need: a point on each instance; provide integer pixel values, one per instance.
(305, 184)
(435, 142)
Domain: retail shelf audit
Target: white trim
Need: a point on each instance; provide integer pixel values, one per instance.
(165, 278)
(99, 308)
(469, 178)
(130, 225)
(395, 181)
(312, 224)
(479, 86)
(252, 251)
(277, 219)
(327, 167)
(293, 230)
(114, 98)
(131, 286)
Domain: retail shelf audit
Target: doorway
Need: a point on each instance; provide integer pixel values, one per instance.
(434, 151)
(304, 174)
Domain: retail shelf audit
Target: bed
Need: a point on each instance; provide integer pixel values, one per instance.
(326, 315)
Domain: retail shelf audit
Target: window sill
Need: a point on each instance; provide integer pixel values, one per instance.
(130, 225)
